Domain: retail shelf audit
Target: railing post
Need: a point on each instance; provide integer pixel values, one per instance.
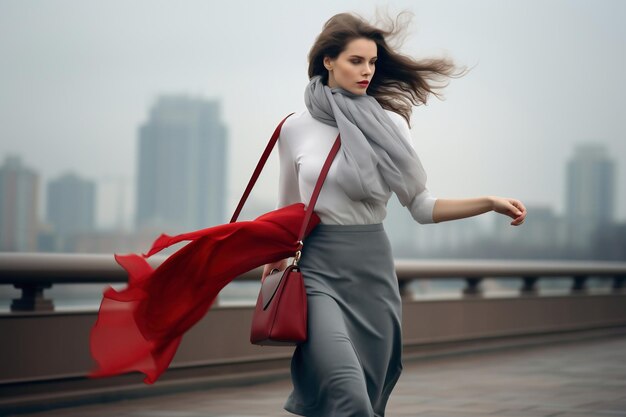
(473, 288)
(579, 283)
(32, 298)
(530, 286)
(404, 288)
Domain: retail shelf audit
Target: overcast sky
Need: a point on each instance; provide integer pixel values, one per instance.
(78, 77)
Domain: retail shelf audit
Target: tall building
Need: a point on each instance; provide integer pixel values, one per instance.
(181, 181)
(19, 188)
(70, 205)
(590, 192)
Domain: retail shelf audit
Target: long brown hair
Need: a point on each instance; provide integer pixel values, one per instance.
(400, 82)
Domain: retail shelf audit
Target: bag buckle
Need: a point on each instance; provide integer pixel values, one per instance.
(298, 253)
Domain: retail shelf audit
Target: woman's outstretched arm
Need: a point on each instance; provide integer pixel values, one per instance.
(446, 209)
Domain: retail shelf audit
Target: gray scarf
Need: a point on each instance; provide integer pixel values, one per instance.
(370, 141)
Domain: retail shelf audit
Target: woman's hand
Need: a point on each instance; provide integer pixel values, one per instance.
(280, 265)
(510, 207)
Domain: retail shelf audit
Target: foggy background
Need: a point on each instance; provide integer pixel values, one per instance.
(79, 77)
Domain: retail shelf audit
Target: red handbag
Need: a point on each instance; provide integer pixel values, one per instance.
(280, 315)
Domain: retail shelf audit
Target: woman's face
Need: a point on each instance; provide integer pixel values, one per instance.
(356, 63)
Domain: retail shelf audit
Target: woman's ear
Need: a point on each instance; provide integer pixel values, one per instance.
(327, 63)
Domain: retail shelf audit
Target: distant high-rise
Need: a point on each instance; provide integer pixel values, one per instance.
(590, 192)
(590, 185)
(181, 182)
(70, 205)
(19, 188)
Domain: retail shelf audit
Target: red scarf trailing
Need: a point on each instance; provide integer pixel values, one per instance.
(140, 327)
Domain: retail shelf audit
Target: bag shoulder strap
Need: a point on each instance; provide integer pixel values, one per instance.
(258, 169)
(318, 187)
(316, 190)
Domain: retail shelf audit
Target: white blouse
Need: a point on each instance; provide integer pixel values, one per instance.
(303, 146)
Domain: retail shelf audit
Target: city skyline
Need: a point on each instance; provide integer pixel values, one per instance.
(77, 87)
(586, 230)
(255, 203)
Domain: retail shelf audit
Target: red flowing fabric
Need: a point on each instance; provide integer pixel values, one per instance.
(140, 327)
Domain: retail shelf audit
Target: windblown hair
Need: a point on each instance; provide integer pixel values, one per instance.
(399, 82)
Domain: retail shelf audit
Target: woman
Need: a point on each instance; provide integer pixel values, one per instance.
(362, 89)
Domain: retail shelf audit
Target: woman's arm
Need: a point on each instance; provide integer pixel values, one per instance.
(446, 209)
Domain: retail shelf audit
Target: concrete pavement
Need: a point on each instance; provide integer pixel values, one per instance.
(574, 379)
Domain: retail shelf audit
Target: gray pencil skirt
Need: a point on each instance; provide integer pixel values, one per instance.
(352, 358)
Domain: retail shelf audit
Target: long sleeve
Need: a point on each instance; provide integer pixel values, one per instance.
(422, 205)
(288, 189)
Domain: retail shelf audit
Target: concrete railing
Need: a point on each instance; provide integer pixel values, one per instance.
(35, 272)
(44, 354)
